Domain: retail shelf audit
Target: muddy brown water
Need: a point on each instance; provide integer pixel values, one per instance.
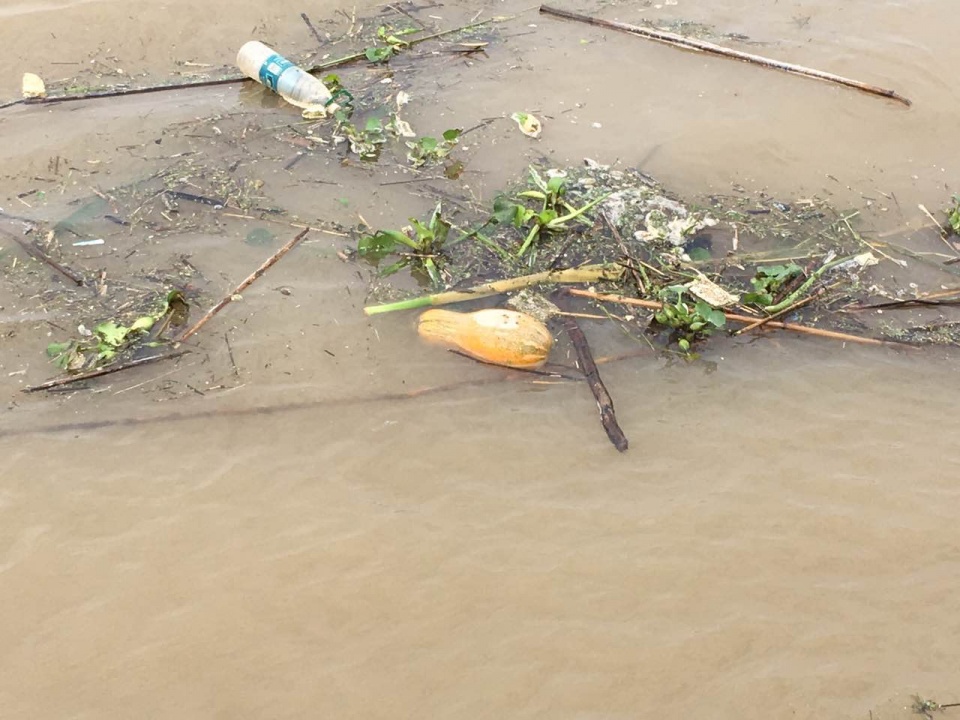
(179, 542)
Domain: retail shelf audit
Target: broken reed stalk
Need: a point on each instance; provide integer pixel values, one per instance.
(608, 416)
(230, 80)
(746, 319)
(583, 274)
(192, 330)
(100, 372)
(691, 44)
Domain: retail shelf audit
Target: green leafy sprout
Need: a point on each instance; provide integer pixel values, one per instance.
(420, 246)
(689, 320)
(953, 215)
(429, 149)
(110, 338)
(768, 281)
(553, 215)
(392, 44)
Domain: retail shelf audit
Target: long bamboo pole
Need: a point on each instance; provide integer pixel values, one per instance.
(583, 274)
(692, 44)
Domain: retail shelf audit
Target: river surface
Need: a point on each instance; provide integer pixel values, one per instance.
(339, 522)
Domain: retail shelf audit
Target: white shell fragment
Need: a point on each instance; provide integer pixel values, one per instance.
(33, 86)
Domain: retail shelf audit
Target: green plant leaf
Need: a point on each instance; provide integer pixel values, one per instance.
(378, 54)
(431, 267)
(391, 269)
(507, 212)
(711, 315)
(555, 185)
(440, 229)
(533, 194)
(954, 215)
(143, 324)
(761, 299)
(547, 216)
(56, 349)
(384, 242)
(453, 170)
(451, 135)
(699, 254)
(111, 334)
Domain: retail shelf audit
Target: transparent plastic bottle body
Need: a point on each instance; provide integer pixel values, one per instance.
(292, 83)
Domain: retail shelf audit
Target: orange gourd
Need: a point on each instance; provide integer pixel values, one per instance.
(500, 337)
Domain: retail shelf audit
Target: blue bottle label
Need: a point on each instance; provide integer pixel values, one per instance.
(271, 70)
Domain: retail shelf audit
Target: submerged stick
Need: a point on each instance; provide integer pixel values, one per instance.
(229, 80)
(192, 330)
(691, 44)
(746, 319)
(608, 416)
(312, 29)
(100, 372)
(34, 251)
(583, 274)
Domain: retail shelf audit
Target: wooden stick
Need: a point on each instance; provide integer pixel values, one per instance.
(608, 416)
(313, 30)
(192, 330)
(229, 80)
(930, 299)
(700, 45)
(34, 251)
(805, 329)
(100, 372)
(507, 375)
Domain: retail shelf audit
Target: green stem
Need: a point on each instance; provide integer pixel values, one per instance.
(534, 231)
(577, 213)
(583, 274)
(801, 291)
(409, 43)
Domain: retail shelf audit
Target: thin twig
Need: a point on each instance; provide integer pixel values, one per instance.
(944, 235)
(931, 300)
(34, 251)
(608, 416)
(397, 8)
(746, 319)
(691, 44)
(626, 253)
(100, 372)
(313, 30)
(192, 330)
(901, 250)
(229, 80)
(226, 339)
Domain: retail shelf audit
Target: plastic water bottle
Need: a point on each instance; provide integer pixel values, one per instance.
(292, 83)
